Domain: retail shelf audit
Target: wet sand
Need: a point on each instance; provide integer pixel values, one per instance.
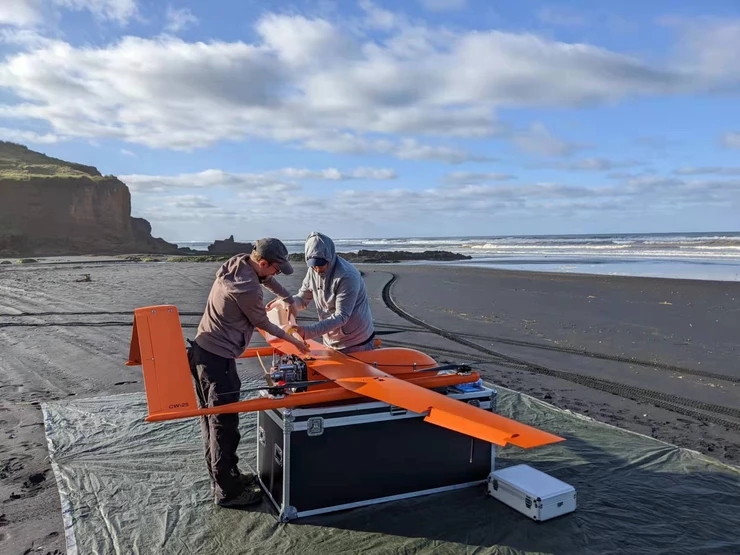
(607, 347)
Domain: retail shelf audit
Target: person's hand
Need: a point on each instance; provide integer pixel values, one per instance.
(274, 302)
(292, 309)
(301, 345)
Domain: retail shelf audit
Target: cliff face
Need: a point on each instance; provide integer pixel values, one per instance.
(51, 207)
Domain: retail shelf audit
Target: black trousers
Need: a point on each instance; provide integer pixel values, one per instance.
(217, 383)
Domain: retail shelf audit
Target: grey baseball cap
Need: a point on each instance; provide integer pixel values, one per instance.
(273, 250)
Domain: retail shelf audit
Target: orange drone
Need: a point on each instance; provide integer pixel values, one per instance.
(401, 377)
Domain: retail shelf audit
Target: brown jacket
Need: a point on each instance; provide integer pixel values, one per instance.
(235, 307)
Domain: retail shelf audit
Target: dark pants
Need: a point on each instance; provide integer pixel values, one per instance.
(217, 383)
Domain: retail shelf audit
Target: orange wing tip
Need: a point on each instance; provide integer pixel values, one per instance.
(463, 425)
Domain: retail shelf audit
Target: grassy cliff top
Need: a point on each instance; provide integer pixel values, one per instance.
(17, 162)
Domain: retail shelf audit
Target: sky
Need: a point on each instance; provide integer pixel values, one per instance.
(382, 118)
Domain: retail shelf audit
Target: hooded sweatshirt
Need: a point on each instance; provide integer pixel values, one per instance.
(235, 307)
(339, 293)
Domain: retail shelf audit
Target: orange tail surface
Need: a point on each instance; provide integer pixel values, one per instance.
(158, 345)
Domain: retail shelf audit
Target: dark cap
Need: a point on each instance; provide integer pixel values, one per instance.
(316, 261)
(274, 251)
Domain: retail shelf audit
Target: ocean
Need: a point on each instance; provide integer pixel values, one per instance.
(708, 256)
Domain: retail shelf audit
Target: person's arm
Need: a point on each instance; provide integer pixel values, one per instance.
(346, 297)
(274, 286)
(252, 307)
(303, 298)
(296, 302)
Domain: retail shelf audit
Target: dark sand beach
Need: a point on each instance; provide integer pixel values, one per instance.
(654, 356)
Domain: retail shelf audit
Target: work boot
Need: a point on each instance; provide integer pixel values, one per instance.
(247, 479)
(248, 496)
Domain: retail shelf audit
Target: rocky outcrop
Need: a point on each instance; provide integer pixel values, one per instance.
(375, 257)
(51, 207)
(229, 247)
(145, 242)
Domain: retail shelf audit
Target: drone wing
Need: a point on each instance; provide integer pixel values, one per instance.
(362, 378)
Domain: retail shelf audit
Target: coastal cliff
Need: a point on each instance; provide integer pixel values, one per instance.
(52, 207)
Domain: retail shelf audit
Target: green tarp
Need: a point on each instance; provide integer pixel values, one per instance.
(132, 487)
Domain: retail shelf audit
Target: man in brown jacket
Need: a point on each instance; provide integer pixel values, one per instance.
(234, 308)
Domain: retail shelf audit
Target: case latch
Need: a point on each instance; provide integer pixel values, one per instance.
(315, 426)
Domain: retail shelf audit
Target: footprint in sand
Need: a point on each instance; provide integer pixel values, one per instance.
(9, 467)
(35, 479)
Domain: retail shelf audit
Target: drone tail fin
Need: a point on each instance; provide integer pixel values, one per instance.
(157, 344)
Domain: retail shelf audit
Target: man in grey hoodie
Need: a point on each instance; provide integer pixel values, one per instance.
(234, 308)
(338, 290)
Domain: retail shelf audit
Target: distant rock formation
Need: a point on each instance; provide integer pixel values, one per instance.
(49, 207)
(229, 247)
(374, 257)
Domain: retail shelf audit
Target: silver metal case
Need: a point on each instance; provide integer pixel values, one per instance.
(532, 492)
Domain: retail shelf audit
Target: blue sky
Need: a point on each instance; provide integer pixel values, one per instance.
(385, 119)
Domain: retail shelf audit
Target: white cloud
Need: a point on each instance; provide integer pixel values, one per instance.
(475, 178)
(179, 19)
(405, 149)
(716, 170)
(20, 136)
(115, 10)
(314, 84)
(29, 13)
(731, 140)
(27, 38)
(537, 200)
(707, 46)
(597, 164)
(349, 211)
(378, 18)
(333, 174)
(271, 181)
(189, 201)
(538, 140)
(20, 12)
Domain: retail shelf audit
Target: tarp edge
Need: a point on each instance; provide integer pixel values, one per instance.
(69, 533)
